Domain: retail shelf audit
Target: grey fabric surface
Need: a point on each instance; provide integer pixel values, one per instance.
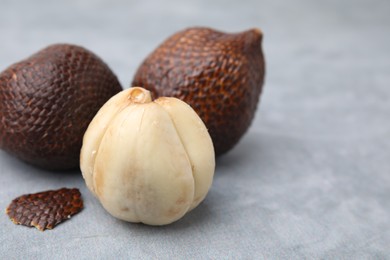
(310, 179)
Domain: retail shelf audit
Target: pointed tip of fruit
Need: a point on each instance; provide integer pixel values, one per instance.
(256, 34)
(139, 95)
(257, 31)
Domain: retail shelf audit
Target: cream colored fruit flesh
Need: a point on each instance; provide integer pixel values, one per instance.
(147, 161)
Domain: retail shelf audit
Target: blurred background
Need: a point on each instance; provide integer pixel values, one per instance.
(311, 178)
(332, 52)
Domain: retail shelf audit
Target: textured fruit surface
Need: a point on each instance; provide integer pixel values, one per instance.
(47, 102)
(219, 74)
(45, 210)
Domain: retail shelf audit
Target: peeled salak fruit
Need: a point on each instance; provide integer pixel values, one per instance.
(219, 74)
(47, 102)
(147, 161)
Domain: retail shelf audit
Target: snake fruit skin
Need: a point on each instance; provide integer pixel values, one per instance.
(46, 209)
(47, 102)
(219, 74)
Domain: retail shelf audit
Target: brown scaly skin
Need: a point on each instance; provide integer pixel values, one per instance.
(46, 209)
(219, 74)
(47, 102)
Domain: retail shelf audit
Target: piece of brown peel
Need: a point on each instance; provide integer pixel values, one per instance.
(45, 210)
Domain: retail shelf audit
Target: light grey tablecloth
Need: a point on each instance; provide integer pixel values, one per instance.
(311, 178)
